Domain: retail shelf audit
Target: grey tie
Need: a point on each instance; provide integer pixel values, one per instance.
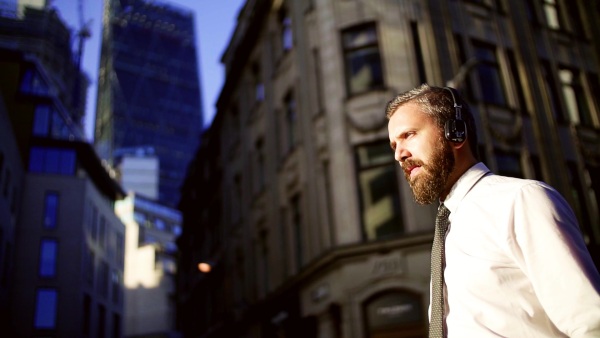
(436, 322)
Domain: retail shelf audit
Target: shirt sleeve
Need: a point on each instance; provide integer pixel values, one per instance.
(550, 250)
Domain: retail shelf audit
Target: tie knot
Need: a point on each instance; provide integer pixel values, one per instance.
(442, 216)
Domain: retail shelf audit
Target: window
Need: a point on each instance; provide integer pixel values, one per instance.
(291, 125)
(87, 315)
(6, 182)
(379, 196)
(1, 165)
(6, 265)
(574, 96)
(50, 210)
(552, 92)
(101, 320)
(90, 266)
(260, 166)
(296, 214)
(32, 83)
(414, 28)
(490, 80)
(259, 86)
(579, 196)
(115, 282)
(509, 163)
(52, 161)
(264, 260)
(574, 17)
(48, 257)
(116, 325)
(103, 274)
(530, 10)
(159, 224)
(41, 120)
(362, 60)
(94, 224)
(120, 248)
(46, 302)
(518, 87)
(102, 232)
(287, 37)
(551, 13)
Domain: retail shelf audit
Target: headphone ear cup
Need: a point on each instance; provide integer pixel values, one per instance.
(455, 130)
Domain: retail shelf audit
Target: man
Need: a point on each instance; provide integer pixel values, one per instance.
(515, 261)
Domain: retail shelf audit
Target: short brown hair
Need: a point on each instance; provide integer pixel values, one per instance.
(437, 103)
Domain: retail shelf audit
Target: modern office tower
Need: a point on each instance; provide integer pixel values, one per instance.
(148, 87)
(63, 252)
(150, 251)
(295, 199)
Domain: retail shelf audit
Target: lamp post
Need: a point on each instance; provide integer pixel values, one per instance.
(464, 69)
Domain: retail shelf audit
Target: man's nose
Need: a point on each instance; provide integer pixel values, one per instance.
(401, 154)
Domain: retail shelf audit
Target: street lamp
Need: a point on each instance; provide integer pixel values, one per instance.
(204, 267)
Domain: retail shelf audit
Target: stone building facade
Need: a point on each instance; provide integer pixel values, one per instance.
(294, 198)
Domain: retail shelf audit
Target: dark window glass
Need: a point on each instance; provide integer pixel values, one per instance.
(492, 87)
(87, 315)
(296, 214)
(414, 28)
(101, 320)
(115, 282)
(291, 119)
(287, 36)
(41, 120)
(52, 161)
(50, 210)
(116, 326)
(32, 83)
(363, 62)
(516, 80)
(48, 257)
(379, 196)
(103, 275)
(46, 302)
(552, 92)
(6, 182)
(509, 164)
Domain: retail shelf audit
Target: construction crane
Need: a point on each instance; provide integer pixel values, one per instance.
(83, 33)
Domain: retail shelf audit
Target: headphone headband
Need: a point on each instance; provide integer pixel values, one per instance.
(455, 129)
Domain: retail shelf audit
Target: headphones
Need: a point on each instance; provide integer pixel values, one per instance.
(455, 129)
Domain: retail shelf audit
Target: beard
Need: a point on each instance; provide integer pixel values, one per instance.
(428, 186)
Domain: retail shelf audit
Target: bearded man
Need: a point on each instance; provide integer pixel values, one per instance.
(508, 259)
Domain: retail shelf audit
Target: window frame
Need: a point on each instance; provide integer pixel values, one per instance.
(370, 49)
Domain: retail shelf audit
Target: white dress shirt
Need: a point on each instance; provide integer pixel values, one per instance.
(516, 263)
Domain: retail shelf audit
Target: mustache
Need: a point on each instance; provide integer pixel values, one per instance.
(409, 163)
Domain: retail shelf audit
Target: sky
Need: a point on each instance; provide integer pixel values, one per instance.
(215, 21)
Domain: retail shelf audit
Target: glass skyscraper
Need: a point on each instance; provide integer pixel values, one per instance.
(149, 88)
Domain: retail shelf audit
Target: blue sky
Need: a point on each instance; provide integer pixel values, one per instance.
(215, 21)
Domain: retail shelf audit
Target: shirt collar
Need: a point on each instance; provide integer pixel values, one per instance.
(464, 184)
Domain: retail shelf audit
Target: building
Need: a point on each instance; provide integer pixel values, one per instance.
(137, 170)
(41, 32)
(150, 266)
(148, 87)
(310, 227)
(66, 248)
(11, 187)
